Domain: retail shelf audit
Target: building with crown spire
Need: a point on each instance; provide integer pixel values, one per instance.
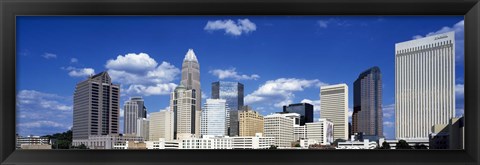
(185, 101)
(96, 107)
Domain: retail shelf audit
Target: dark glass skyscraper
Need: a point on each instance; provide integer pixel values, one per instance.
(304, 109)
(232, 92)
(367, 104)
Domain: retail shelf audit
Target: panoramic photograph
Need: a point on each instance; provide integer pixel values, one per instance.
(240, 82)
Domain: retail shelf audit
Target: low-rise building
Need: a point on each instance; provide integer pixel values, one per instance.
(252, 142)
(163, 144)
(106, 141)
(132, 145)
(34, 140)
(36, 146)
(206, 142)
(448, 136)
(365, 144)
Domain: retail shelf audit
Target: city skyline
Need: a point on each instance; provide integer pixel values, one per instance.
(260, 81)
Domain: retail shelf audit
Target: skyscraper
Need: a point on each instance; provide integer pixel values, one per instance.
(214, 118)
(304, 109)
(334, 107)
(367, 104)
(183, 105)
(191, 81)
(424, 85)
(161, 125)
(133, 109)
(95, 107)
(232, 92)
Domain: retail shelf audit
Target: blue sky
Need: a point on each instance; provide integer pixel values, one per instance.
(279, 59)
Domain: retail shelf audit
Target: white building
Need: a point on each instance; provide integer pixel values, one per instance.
(206, 142)
(106, 141)
(162, 144)
(424, 85)
(161, 125)
(334, 107)
(280, 126)
(299, 132)
(143, 128)
(252, 142)
(214, 119)
(366, 144)
(34, 140)
(321, 131)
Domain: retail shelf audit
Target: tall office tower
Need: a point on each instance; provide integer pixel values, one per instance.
(321, 131)
(214, 118)
(161, 125)
(183, 103)
(232, 92)
(367, 114)
(134, 109)
(143, 128)
(334, 107)
(191, 81)
(280, 126)
(95, 107)
(304, 109)
(250, 122)
(424, 85)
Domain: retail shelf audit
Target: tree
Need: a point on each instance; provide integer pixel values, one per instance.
(61, 140)
(385, 145)
(273, 147)
(297, 145)
(402, 144)
(420, 146)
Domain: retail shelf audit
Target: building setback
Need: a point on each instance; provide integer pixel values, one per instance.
(367, 117)
(95, 107)
(214, 120)
(304, 109)
(334, 107)
(424, 85)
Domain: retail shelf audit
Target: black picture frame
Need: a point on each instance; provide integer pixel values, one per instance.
(11, 8)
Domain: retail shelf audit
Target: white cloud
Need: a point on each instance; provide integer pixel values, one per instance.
(322, 23)
(49, 55)
(333, 21)
(459, 112)
(142, 75)
(80, 72)
(73, 60)
(388, 124)
(388, 110)
(231, 27)
(315, 103)
(280, 91)
(122, 112)
(42, 124)
(204, 96)
(27, 99)
(458, 28)
(132, 63)
(459, 91)
(40, 113)
(231, 73)
(350, 113)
